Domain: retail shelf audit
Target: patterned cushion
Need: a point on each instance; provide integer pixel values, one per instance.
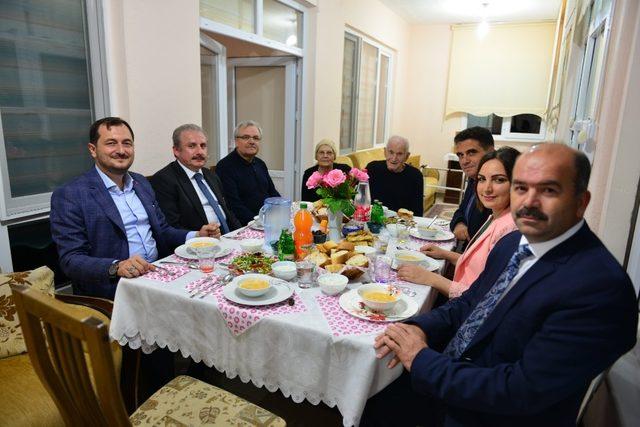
(11, 340)
(185, 401)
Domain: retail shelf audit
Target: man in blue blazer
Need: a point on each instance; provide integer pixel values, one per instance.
(552, 310)
(106, 223)
(470, 145)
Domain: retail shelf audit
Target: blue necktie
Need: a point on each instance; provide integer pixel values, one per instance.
(484, 308)
(212, 201)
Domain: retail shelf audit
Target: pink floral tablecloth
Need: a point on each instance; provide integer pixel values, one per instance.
(342, 323)
(239, 318)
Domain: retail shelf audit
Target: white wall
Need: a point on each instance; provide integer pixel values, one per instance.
(154, 72)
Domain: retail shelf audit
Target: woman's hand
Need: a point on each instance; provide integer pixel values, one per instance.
(433, 251)
(414, 274)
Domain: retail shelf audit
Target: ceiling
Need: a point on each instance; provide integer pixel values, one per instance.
(468, 11)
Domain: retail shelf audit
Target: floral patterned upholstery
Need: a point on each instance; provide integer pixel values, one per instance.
(11, 340)
(185, 401)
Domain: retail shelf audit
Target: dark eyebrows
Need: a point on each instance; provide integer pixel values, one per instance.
(548, 183)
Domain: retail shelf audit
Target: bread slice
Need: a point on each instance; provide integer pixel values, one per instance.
(346, 246)
(352, 273)
(333, 268)
(318, 258)
(405, 214)
(358, 260)
(330, 244)
(339, 257)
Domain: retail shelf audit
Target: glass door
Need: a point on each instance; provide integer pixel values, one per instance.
(264, 90)
(213, 76)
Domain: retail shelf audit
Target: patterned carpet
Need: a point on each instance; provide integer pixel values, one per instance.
(443, 210)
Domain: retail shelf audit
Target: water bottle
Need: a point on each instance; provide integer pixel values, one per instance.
(362, 203)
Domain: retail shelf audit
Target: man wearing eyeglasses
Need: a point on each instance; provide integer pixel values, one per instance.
(244, 176)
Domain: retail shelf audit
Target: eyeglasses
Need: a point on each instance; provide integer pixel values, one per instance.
(246, 138)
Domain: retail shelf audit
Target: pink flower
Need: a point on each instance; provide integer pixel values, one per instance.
(314, 180)
(359, 174)
(334, 178)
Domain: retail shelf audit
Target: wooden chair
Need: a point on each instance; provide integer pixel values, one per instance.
(85, 388)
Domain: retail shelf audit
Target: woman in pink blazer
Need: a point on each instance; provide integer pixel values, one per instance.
(493, 192)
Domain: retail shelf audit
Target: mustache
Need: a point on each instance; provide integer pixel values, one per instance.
(198, 158)
(531, 212)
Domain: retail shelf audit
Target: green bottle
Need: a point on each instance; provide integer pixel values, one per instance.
(377, 213)
(286, 247)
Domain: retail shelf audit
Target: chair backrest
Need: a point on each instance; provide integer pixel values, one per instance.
(55, 336)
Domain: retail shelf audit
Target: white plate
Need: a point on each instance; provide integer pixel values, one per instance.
(430, 264)
(183, 252)
(404, 308)
(279, 292)
(442, 236)
(426, 221)
(255, 226)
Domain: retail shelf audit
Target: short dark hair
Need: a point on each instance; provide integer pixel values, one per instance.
(583, 172)
(94, 133)
(477, 133)
(505, 155)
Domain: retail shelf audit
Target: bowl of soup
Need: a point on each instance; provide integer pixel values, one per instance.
(332, 283)
(378, 297)
(254, 285)
(427, 232)
(409, 257)
(202, 243)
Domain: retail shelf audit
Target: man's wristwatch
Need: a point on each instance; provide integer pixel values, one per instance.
(113, 270)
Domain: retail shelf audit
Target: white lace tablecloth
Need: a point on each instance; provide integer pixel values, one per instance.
(294, 353)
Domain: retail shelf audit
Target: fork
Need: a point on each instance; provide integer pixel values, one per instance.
(226, 279)
(202, 288)
(166, 270)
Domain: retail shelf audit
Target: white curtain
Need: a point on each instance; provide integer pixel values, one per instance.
(506, 72)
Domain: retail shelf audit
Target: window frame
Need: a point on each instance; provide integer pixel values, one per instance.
(507, 136)
(34, 205)
(382, 50)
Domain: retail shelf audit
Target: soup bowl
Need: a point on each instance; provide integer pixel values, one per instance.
(427, 232)
(378, 297)
(251, 245)
(403, 257)
(207, 243)
(254, 285)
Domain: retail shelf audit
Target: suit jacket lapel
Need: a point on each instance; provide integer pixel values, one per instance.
(189, 191)
(536, 274)
(103, 198)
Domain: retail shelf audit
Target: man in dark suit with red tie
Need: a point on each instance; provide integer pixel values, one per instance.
(552, 309)
(189, 194)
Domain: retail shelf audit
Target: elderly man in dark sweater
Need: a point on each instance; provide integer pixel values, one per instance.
(395, 183)
(244, 176)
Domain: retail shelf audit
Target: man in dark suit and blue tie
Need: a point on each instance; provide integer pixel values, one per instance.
(189, 194)
(106, 223)
(552, 310)
(470, 145)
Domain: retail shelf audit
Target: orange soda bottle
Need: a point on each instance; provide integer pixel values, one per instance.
(302, 236)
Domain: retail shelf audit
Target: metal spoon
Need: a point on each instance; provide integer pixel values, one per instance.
(225, 280)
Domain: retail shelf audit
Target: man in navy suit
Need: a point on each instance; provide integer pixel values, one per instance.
(106, 223)
(190, 195)
(552, 310)
(470, 145)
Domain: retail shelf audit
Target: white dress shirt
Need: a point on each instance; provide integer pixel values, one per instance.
(208, 210)
(538, 250)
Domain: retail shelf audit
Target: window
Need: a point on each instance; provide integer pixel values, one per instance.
(50, 92)
(518, 127)
(366, 86)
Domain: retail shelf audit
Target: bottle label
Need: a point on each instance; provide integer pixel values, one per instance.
(362, 213)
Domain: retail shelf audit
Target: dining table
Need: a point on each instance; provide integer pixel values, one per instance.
(307, 347)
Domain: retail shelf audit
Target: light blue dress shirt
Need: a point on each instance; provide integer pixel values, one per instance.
(134, 216)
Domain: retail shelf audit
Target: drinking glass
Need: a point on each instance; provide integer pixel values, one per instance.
(382, 269)
(305, 273)
(403, 234)
(206, 258)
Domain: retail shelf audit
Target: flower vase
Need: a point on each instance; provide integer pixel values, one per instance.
(335, 225)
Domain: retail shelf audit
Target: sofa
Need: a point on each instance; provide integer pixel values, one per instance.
(360, 159)
(24, 401)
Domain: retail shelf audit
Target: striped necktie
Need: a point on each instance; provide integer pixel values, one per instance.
(486, 305)
(212, 201)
